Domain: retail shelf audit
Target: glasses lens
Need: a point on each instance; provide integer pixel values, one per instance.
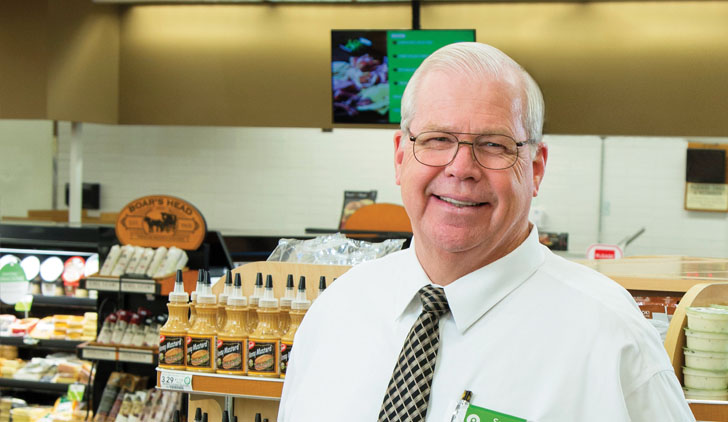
(435, 148)
(495, 151)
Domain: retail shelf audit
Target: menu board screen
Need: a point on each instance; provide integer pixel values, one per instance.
(371, 68)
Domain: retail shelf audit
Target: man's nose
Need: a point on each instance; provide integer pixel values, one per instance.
(464, 165)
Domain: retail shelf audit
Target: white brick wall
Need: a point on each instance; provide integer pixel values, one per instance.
(283, 180)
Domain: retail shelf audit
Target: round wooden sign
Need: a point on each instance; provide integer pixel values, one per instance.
(161, 220)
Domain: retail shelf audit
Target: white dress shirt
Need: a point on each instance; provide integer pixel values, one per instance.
(532, 335)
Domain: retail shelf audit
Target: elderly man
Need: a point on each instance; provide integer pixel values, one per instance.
(476, 305)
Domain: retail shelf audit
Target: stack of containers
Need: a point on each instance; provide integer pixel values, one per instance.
(706, 356)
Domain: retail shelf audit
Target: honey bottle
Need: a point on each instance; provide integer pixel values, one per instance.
(298, 309)
(222, 301)
(253, 303)
(193, 297)
(283, 318)
(201, 336)
(264, 343)
(232, 340)
(173, 332)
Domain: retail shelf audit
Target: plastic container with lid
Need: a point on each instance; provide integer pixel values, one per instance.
(264, 343)
(232, 339)
(704, 379)
(201, 336)
(713, 361)
(697, 394)
(706, 341)
(714, 320)
(298, 309)
(172, 334)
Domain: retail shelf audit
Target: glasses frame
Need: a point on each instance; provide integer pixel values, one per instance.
(472, 147)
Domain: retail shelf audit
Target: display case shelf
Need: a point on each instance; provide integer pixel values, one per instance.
(222, 385)
(65, 301)
(129, 354)
(35, 386)
(30, 342)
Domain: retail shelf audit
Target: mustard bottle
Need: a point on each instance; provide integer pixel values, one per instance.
(222, 301)
(173, 332)
(284, 319)
(201, 336)
(253, 303)
(298, 309)
(264, 343)
(193, 297)
(232, 340)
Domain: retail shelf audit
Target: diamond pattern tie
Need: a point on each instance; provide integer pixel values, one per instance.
(408, 391)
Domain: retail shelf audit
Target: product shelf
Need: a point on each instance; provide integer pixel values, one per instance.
(220, 384)
(36, 386)
(130, 354)
(30, 342)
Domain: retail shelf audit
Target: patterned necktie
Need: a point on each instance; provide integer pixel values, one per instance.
(408, 391)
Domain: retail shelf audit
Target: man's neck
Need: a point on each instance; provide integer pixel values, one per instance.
(443, 267)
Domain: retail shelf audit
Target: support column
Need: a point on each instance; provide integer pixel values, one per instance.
(75, 180)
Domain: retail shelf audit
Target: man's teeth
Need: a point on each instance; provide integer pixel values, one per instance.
(458, 203)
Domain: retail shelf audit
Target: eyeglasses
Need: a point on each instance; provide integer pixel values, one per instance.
(438, 149)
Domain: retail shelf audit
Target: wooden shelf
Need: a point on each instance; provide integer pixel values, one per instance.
(227, 385)
(709, 410)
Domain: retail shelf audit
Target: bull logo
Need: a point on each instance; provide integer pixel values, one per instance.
(167, 223)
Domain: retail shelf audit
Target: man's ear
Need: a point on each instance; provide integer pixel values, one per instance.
(539, 166)
(398, 155)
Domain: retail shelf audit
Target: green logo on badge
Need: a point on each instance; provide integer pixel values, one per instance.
(479, 414)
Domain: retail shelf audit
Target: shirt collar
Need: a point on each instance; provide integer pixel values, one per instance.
(472, 295)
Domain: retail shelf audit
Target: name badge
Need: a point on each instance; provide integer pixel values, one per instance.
(480, 414)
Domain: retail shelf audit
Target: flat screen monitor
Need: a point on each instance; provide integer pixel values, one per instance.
(370, 69)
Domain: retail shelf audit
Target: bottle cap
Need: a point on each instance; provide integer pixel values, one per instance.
(205, 296)
(223, 297)
(225, 417)
(198, 414)
(204, 417)
(178, 295)
(289, 281)
(322, 283)
(237, 298)
(259, 280)
(268, 300)
(258, 417)
(301, 302)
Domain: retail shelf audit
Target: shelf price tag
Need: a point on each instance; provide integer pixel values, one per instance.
(128, 286)
(136, 356)
(102, 285)
(75, 392)
(175, 381)
(99, 353)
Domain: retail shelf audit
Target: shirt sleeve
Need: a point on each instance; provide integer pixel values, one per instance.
(660, 398)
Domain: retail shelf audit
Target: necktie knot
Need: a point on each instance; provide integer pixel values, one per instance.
(434, 300)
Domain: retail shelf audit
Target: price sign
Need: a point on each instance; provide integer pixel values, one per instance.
(128, 355)
(175, 381)
(102, 285)
(99, 353)
(138, 287)
(75, 392)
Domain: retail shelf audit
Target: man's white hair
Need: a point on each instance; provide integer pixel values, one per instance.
(478, 60)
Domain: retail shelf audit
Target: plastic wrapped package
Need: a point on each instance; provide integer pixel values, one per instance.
(332, 249)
